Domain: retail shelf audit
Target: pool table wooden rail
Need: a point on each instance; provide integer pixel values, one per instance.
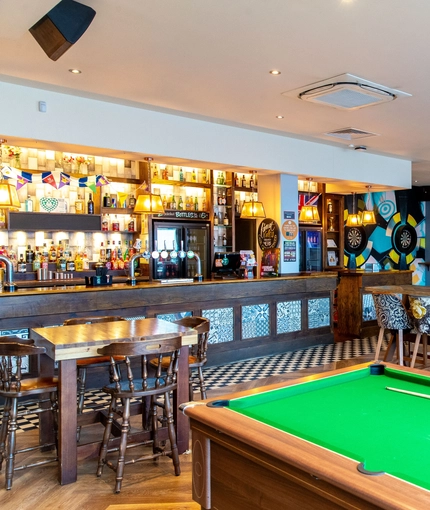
(236, 459)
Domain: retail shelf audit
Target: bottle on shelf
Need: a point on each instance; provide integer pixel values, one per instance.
(243, 181)
(224, 240)
(61, 262)
(180, 204)
(196, 204)
(108, 251)
(115, 224)
(79, 205)
(216, 219)
(181, 175)
(28, 204)
(45, 257)
(236, 181)
(225, 221)
(107, 201)
(29, 255)
(121, 263)
(236, 206)
(105, 223)
(85, 260)
(52, 253)
(194, 176)
(173, 203)
(36, 260)
(131, 201)
(90, 204)
(79, 265)
(70, 263)
(131, 225)
(204, 203)
(60, 250)
(251, 182)
(22, 266)
(102, 253)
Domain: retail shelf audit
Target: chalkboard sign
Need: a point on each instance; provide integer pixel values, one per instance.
(268, 234)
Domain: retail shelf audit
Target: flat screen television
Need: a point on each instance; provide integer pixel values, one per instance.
(226, 264)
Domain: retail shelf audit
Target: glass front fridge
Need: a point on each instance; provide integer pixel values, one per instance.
(310, 248)
(173, 246)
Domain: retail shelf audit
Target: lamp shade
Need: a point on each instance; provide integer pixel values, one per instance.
(8, 196)
(253, 209)
(149, 204)
(368, 218)
(309, 213)
(353, 220)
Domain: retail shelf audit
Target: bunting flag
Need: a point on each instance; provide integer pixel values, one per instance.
(48, 178)
(64, 180)
(8, 171)
(23, 179)
(101, 180)
(82, 182)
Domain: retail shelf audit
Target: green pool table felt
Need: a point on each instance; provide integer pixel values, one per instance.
(353, 414)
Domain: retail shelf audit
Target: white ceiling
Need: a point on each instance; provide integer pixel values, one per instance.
(211, 59)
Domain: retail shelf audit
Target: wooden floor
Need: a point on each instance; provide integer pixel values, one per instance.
(147, 485)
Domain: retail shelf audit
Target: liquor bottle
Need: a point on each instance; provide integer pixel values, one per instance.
(181, 175)
(225, 219)
(22, 267)
(251, 182)
(70, 263)
(29, 204)
(224, 240)
(79, 265)
(215, 219)
(204, 203)
(13, 258)
(193, 176)
(45, 256)
(29, 255)
(236, 181)
(108, 251)
(180, 204)
(107, 201)
(60, 250)
(36, 260)
(165, 202)
(131, 201)
(115, 224)
(79, 205)
(131, 225)
(85, 260)
(173, 203)
(52, 253)
(243, 181)
(90, 205)
(102, 253)
(196, 204)
(236, 206)
(121, 263)
(105, 222)
(114, 256)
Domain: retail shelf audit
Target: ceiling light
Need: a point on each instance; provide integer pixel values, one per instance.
(354, 219)
(368, 217)
(309, 211)
(252, 209)
(279, 116)
(275, 72)
(75, 71)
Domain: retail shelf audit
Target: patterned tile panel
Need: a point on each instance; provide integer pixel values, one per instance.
(318, 313)
(221, 320)
(170, 317)
(369, 311)
(255, 321)
(288, 316)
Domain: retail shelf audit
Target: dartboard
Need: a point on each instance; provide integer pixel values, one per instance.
(404, 238)
(354, 238)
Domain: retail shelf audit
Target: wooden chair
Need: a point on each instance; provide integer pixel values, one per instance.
(14, 386)
(152, 387)
(88, 363)
(198, 353)
(391, 314)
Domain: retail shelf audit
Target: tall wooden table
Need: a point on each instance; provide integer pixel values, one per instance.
(413, 290)
(66, 344)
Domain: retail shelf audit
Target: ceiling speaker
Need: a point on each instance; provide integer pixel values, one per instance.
(64, 24)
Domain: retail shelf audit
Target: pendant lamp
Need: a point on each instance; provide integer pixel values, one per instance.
(309, 213)
(148, 203)
(354, 219)
(253, 208)
(368, 217)
(8, 195)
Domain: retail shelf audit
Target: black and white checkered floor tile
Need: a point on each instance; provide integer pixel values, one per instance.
(248, 370)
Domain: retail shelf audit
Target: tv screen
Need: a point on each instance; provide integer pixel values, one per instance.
(226, 264)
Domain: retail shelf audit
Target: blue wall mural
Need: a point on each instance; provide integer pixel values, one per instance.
(397, 241)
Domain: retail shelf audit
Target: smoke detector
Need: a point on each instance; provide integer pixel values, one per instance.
(346, 92)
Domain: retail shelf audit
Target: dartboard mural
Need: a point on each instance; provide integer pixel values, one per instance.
(397, 241)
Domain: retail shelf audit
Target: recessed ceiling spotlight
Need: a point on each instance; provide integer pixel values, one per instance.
(279, 116)
(361, 148)
(75, 71)
(275, 72)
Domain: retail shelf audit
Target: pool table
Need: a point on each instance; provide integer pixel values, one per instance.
(354, 438)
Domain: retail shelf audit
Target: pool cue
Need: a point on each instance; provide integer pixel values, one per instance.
(413, 393)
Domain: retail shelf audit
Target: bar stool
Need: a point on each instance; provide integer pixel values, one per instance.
(88, 363)
(145, 387)
(420, 313)
(391, 314)
(198, 353)
(14, 386)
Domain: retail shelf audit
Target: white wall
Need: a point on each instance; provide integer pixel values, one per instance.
(94, 123)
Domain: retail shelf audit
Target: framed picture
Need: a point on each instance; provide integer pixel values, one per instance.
(331, 258)
(331, 243)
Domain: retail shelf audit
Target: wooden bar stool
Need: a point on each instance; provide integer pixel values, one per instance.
(14, 386)
(391, 314)
(154, 387)
(83, 365)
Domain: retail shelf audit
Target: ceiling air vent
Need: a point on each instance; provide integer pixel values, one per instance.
(350, 134)
(346, 92)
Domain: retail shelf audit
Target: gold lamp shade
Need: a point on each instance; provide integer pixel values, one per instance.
(253, 209)
(368, 218)
(353, 220)
(8, 196)
(149, 204)
(309, 213)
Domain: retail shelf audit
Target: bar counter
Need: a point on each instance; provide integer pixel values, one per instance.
(249, 318)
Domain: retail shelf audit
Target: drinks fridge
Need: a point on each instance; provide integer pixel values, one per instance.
(175, 242)
(310, 248)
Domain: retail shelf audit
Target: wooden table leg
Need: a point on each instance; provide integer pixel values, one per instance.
(67, 421)
(181, 396)
(46, 422)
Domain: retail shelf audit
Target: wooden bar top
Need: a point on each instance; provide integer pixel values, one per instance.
(413, 290)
